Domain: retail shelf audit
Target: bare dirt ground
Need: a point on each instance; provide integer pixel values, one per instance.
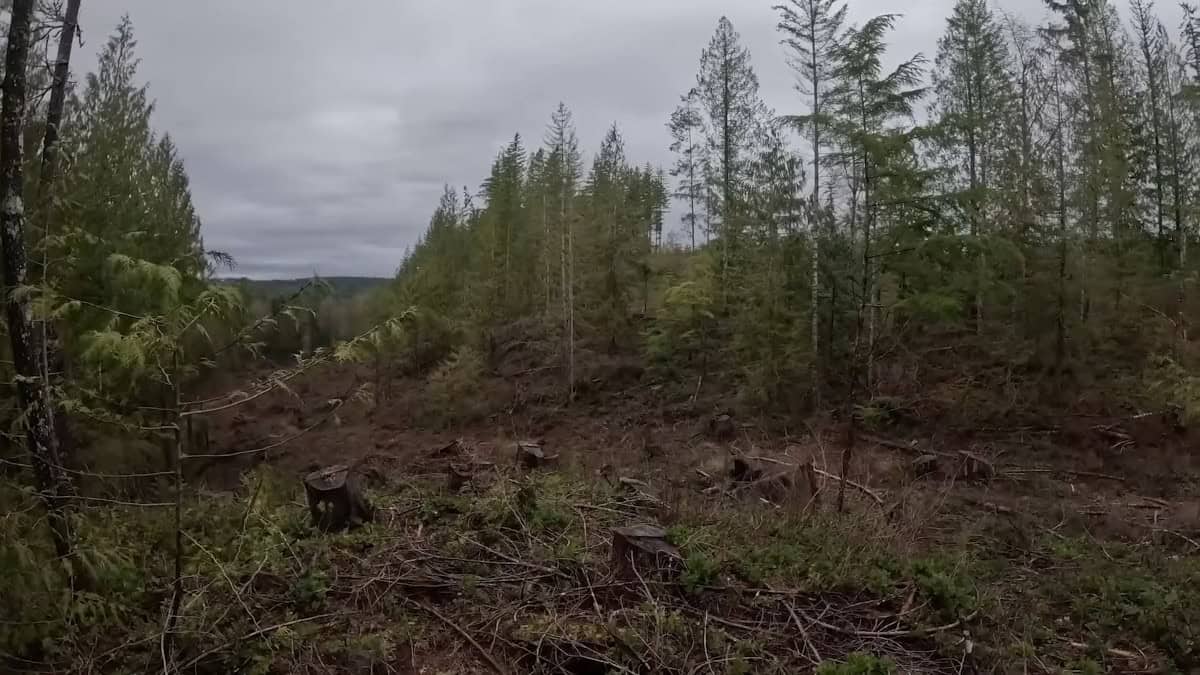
(1029, 504)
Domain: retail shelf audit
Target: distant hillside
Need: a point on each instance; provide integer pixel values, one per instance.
(341, 286)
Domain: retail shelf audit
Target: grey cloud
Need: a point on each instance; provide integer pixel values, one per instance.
(318, 135)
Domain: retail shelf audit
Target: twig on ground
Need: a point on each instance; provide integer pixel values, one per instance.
(1112, 651)
(915, 632)
(501, 670)
(864, 489)
(804, 634)
(1182, 536)
(254, 634)
(1070, 472)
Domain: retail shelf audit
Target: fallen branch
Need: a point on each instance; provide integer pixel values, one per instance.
(254, 634)
(864, 489)
(858, 486)
(915, 632)
(1182, 536)
(906, 447)
(804, 634)
(1111, 651)
(1069, 472)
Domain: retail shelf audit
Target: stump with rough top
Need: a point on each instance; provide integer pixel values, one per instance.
(334, 499)
(530, 454)
(643, 550)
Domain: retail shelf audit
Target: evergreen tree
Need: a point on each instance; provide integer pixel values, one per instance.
(1153, 75)
(733, 115)
(114, 151)
(812, 30)
(687, 142)
(563, 172)
(610, 219)
(972, 97)
(973, 93)
(869, 107)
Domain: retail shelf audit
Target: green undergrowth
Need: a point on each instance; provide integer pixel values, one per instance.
(823, 553)
(1104, 596)
(255, 567)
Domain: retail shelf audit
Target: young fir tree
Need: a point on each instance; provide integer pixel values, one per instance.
(114, 150)
(973, 93)
(609, 238)
(688, 143)
(1097, 62)
(505, 236)
(733, 115)
(812, 30)
(1153, 76)
(768, 307)
(869, 107)
(562, 181)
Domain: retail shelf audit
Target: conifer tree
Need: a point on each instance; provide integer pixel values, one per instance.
(869, 107)
(114, 150)
(1153, 75)
(733, 115)
(687, 142)
(812, 30)
(563, 172)
(971, 108)
(610, 221)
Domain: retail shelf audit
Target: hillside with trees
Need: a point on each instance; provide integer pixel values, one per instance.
(897, 378)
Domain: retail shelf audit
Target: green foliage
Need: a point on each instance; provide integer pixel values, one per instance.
(454, 386)
(947, 588)
(1174, 387)
(858, 663)
(683, 332)
(309, 591)
(699, 571)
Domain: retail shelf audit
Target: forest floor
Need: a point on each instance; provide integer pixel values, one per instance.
(1065, 544)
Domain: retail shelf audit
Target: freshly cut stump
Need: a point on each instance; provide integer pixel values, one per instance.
(643, 550)
(334, 499)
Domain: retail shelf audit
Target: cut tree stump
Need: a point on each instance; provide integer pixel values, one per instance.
(643, 550)
(722, 428)
(334, 499)
(458, 476)
(925, 465)
(530, 454)
(974, 467)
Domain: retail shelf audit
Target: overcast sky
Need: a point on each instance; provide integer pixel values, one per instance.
(318, 135)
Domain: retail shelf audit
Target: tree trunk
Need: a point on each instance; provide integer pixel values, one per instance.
(40, 433)
(58, 97)
(568, 283)
(815, 311)
(51, 354)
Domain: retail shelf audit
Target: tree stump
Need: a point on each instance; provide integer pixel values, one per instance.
(642, 550)
(722, 428)
(974, 467)
(530, 454)
(458, 476)
(334, 500)
(925, 465)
